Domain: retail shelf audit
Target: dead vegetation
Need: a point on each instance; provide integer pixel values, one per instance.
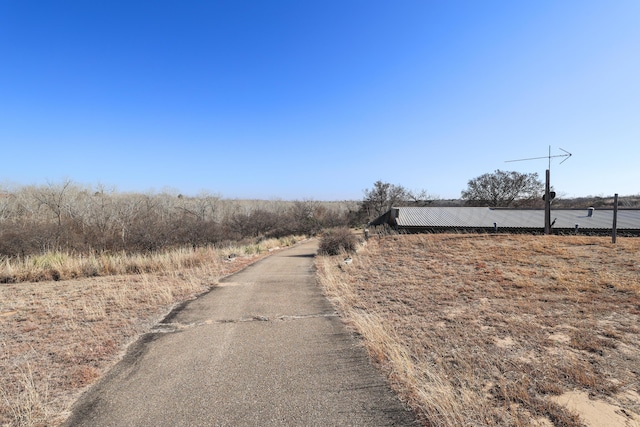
(85, 220)
(58, 337)
(56, 265)
(483, 330)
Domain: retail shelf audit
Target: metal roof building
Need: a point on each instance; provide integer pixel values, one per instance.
(438, 219)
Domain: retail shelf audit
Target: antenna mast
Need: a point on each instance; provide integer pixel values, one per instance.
(547, 186)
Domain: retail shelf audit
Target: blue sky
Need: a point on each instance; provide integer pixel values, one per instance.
(318, 100)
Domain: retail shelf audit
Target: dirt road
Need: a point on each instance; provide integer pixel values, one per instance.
(263, 348)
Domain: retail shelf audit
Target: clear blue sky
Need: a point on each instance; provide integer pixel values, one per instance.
(318, 99)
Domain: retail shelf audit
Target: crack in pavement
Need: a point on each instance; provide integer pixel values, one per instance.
(167, 328)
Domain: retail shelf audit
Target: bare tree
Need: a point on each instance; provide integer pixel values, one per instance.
(53, 198)
(421, 198)
(303, 217)
(5, 206)
(382, 197)
(204, 207)
(503, 189)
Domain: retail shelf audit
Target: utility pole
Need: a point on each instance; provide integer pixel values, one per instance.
(547, 202)
(548, 194)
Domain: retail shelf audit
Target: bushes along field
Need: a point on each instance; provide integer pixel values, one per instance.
(73, 219)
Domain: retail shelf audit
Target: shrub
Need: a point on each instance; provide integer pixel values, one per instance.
(337, 240)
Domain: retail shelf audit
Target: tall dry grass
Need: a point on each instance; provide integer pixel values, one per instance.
(58, 337)
(54, 266)
(485, 330)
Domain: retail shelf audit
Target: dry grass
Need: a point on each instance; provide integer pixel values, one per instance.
(54, 266)
(483, 330)
(58, 337)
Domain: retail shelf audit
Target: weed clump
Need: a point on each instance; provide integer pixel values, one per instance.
(337, 240)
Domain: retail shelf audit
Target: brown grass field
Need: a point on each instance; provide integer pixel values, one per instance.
(499, 330)
(59, 337)
(471, 330)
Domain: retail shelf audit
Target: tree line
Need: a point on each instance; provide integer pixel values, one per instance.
(70, 217)
(495, 189)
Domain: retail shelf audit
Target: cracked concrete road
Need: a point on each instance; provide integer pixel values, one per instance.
(263, 348)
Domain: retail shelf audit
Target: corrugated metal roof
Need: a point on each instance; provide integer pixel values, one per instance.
(471, 217)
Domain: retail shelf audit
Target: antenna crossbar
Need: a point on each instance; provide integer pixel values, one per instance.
(547, 198)
(567, 155)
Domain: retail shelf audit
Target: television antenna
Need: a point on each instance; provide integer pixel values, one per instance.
(548, 194)
(566, 156)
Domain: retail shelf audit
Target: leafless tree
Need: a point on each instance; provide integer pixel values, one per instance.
(503, 189)
(53, 198)
(383, 196)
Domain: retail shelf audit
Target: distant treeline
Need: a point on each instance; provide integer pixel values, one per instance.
(69, 217)
(74, 218)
